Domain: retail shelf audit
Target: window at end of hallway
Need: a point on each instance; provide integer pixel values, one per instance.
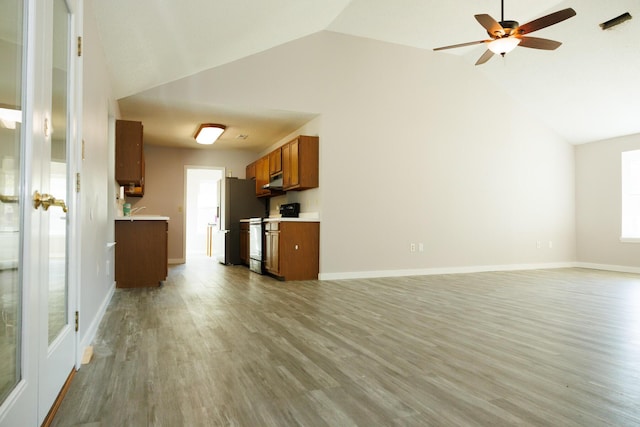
(630, 196)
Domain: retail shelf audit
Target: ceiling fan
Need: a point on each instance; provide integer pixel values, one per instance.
(506, 35)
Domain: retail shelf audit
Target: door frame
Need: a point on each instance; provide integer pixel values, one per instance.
(21, 406)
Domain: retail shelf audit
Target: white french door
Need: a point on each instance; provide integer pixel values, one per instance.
(37, 134)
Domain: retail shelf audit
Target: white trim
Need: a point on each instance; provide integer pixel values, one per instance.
(176, 261)
(630, 239)
(441, 270)
(609, 267)
(92, 330)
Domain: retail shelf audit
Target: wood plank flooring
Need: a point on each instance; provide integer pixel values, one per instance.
(221, 346)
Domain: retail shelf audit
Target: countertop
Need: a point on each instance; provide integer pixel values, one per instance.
(284, 219)
(143, 218)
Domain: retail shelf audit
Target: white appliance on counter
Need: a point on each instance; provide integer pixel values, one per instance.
(236, 200)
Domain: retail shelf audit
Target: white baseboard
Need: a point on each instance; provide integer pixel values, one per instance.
(176, 261)
(441, 270)
(609, 267)
(90, 334)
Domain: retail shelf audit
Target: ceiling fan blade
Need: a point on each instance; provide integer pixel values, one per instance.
(485, 57)
(538, 43)
(460, 45)
(546, 21)
(491, 25)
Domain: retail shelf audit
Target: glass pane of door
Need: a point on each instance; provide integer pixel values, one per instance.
(58, 182)
(11, 47)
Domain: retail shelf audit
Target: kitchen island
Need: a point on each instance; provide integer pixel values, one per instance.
(141, 250)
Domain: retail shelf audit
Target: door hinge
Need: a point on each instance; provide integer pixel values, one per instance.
(79, 46)
(77, 182)
(77, 321)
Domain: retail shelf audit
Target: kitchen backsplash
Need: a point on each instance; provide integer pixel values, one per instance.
(309, 201)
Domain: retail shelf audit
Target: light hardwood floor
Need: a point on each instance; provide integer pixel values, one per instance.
(218, 346)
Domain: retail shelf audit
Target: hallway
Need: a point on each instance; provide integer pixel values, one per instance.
(218, 346)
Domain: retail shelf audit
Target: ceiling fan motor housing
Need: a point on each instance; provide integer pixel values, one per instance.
(509, 28)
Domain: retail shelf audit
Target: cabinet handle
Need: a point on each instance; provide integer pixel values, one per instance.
(296, 247)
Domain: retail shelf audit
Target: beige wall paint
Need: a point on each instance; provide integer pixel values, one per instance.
(164, 189)
(598, 203)
(414, 148)
(96, 260)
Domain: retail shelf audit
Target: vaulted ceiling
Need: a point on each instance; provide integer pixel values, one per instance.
(587, 90)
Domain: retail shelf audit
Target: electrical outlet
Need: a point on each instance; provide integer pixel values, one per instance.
(538, 244)
(550, 244)
(412, 248)
(420, 247)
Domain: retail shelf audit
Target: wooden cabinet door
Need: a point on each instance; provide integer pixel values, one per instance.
(300, 163)
(250, 172)
(275, 161)
(262, 175)
(286, 169)
(141, 253)
(244, 243)
(129, 153)
(299, 250)
(272, 248)
(294, 163)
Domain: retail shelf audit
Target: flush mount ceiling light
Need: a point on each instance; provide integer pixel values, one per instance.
(208, 133)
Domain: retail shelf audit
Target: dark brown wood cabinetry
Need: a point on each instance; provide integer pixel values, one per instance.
(292, 249)
(300, 163)
(141, 253)
(244, 243)
(130, 157)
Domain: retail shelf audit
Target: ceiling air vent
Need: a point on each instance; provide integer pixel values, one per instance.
(616, 21)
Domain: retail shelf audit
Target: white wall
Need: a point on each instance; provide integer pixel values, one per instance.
(97, 281)
(598, 204)
(414, 147)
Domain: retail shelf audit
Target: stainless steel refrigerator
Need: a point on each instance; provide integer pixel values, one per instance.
(236, 200)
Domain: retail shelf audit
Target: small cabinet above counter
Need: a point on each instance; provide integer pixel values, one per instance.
(130, 157)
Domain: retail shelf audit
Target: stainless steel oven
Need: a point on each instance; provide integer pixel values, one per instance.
(256, 233)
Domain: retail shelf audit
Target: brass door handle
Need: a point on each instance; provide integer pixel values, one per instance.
(8, 199)
(46, 200)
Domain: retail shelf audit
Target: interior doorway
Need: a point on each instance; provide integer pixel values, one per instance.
(201, 209)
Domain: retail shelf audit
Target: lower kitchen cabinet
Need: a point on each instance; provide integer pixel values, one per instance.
(244, 243)
(141, 252)
(292, 249)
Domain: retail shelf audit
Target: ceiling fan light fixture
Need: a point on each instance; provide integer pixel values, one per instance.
(208, 133)
(503, 45)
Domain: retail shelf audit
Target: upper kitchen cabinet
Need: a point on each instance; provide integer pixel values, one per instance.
(275, 161)
(250, 172)
(300, 163)
(262, 176)
(130, 157)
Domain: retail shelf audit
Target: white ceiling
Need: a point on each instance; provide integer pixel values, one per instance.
(593, 75)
